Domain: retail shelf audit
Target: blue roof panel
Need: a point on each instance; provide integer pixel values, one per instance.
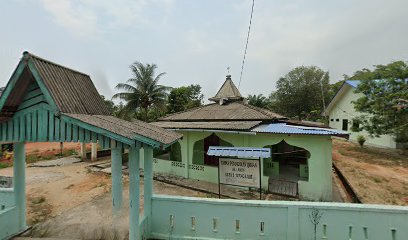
(353, 83)
(283, 128)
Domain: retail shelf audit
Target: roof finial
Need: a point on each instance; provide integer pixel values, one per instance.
(228, 70)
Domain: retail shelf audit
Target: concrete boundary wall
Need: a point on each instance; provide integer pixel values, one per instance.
(6, 198)
(9, 222)
(200, 218)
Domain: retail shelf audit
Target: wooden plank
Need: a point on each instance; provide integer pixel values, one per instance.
(32, 102)
(4, 131)
(74, 133)
(87, 136)
(29, 127)
(22, 129)
(51, 126)
(94, 137)
(81, 135)
(16, 129)
(40, 123)
(69, 132)
(32, 86)
(33, 93)
(34, 128)
(57, 135)
(10, 130)
(101, 141)
(62, 127)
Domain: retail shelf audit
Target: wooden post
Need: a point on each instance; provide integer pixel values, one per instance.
(94, 151)
(19, 183)
(83, 151)
(148, 185)
(134, 192)
(116, 168)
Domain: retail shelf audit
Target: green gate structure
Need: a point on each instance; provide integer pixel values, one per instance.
(46, 102)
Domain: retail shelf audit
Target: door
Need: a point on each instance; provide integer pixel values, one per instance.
(212, 140)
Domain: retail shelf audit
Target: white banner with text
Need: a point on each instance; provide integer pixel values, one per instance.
(240, 172)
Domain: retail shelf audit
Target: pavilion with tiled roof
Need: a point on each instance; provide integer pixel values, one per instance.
(47, 102)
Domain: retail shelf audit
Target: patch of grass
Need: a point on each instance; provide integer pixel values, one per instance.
(69, 152)
(377, 179)
(5, 165)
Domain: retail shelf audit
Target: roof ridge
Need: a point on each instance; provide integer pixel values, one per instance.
(27, 55)
(262, 110)
(187, 110)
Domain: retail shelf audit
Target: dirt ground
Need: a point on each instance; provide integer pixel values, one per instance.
(379, 176)
(72, 202)
(50, 146)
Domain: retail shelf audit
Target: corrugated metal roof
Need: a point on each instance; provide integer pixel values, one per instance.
(73, 91)
(283, 128)
(353, 83)
(240, 152)
(128, 129)
(227, 125)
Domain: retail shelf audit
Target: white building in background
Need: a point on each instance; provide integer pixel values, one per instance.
(341, 113)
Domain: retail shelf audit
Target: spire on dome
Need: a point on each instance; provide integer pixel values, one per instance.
(227, 91)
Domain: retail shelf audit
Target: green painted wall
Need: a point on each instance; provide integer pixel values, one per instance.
(319, 185)
(282, 220)
(344, 109)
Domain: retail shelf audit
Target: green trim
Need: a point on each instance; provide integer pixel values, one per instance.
(32, 102)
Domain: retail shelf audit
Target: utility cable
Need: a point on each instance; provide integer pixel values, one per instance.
(246, 45)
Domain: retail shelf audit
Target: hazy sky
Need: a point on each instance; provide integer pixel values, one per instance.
(195, 41)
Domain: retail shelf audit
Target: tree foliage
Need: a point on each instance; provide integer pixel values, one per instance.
(302, 93)
(383, 101)
(258, 100)
(141, 93)
(183, 98)
(110, 105)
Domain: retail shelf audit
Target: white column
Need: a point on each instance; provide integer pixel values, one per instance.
(148, 185)
(94, 151)
(83, 151)
(134, 192)
(19, 183)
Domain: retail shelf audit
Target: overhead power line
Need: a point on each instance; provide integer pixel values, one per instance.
(246, 45)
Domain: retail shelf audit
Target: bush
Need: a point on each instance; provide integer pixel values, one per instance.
(361, 140)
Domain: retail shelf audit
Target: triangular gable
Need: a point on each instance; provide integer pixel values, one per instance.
(66, 90)
(25, 79)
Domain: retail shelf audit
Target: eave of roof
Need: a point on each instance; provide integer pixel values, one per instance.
(219, 125)
(283, 128)
(133, 131)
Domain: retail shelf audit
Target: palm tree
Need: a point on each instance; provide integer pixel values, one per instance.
(142, 92)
